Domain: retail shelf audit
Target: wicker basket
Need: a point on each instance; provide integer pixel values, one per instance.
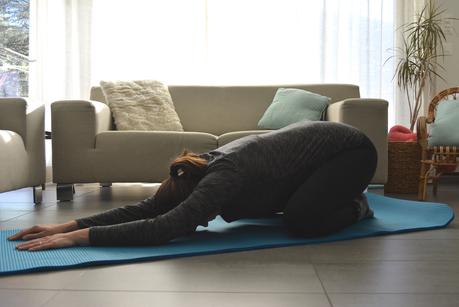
(404, 167)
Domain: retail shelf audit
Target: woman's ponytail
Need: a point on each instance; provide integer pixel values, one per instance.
(188, 166)
(185, 173)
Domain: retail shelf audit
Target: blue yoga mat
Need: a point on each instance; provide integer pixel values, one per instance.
(391, 216)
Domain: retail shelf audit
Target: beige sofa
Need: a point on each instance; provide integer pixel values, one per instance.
(22, 146)
(87, 149)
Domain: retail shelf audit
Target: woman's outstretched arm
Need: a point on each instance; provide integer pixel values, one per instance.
(213, 191)
(43, 230)
(76, 232)
(142, 210)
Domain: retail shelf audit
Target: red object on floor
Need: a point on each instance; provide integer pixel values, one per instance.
(399, 133)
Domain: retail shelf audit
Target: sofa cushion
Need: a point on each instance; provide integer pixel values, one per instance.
(141, 105)
(232, 136)
(445, 130)
(13, 161)
(145, 156)
(292, 105)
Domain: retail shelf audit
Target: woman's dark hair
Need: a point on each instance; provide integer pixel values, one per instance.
(185, 173)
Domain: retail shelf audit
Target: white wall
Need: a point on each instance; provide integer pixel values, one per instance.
(451, 64)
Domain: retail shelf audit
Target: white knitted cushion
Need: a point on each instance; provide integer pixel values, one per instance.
(141, 105)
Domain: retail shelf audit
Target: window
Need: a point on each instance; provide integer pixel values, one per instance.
(78, 43)
(14, 48)
(245, 42)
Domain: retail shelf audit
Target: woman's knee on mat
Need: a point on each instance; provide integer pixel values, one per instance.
(319, 224)
(300, 226)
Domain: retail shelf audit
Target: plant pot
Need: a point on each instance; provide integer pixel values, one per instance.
(404, 167)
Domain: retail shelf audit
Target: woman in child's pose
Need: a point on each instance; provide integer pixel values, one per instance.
(313, 172)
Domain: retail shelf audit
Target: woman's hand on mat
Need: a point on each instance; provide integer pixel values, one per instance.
(40, 231)
(78, 237)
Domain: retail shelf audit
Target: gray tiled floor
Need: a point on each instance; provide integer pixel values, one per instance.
(417, 269)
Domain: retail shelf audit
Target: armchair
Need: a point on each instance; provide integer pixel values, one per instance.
(22, 146)
(435, 160)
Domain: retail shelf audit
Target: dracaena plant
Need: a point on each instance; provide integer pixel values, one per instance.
(418, 60)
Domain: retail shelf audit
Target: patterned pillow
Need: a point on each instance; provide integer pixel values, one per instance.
(141, 105)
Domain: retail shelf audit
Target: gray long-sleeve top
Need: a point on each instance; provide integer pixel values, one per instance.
(251, 177)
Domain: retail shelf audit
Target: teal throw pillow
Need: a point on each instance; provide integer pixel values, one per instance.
(445, 129)
(292, 105)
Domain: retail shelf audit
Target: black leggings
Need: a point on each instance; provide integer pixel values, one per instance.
(323, 204)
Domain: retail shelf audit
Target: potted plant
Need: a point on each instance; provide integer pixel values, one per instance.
(418, 58)
(417, 64)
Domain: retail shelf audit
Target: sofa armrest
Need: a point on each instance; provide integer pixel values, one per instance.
(370, 117)
(75, 124)
(35, 144)
(27, 120)
(13, 115)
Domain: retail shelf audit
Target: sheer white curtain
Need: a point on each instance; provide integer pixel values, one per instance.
(80, 42)
(138, 39)
(60, 32)
(302, 41)
(60, 51)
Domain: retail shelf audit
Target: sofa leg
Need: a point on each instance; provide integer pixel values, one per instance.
(105, 184)
(37, 195)
(65, 192)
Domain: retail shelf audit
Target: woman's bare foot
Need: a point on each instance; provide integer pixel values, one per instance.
(363, 209)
